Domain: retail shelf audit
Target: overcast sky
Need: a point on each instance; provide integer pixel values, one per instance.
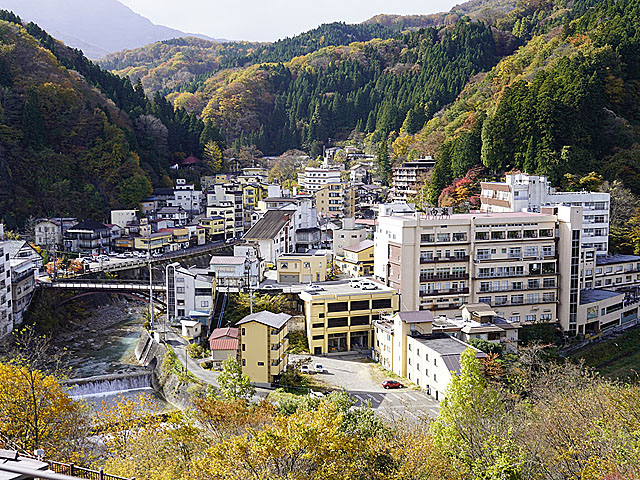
(268, 20)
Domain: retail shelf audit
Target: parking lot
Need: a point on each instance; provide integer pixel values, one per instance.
(363, 379)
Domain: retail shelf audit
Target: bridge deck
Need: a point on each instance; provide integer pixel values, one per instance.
(125, 286)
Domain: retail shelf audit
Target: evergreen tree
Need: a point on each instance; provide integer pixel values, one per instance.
(383, 162)
(32, 122)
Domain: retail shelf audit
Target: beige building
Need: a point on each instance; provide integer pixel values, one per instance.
(349, 234)
(357, 260)
(302, 267)
(336, 199)
(339, 317)
(406, 345)
(263, 344)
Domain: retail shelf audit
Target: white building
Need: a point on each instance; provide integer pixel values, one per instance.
(6, 310)
(347, 236)
(234, 272)
(314, 178)
(229, 192)
(187, 197)
(190, 292)
(49, 231)
(123, 218)
(24, 262)
(528, 193)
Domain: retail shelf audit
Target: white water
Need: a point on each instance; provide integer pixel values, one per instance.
(105, 386)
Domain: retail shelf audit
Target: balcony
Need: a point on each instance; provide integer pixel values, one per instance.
(446, 277)
(444, 306)
(455, 258)
(450, 291)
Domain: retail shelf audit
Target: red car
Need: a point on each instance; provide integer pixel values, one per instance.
(392, 384)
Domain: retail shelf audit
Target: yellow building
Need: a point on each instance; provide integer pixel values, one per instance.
(263, 345)
(227, 212)
(215, 227)
(339, 317)
(357, 260)
(301, 268)
(154, 242)
(252, 193)
(336, 199)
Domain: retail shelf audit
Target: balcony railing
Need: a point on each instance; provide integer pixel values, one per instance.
(445, 277)
(450, 291)
(454, 258)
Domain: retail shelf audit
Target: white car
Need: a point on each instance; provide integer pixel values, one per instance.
(305, 369)
(313, 288)
(369, 286)
(319, 368)
(269, 287)
(315, 394)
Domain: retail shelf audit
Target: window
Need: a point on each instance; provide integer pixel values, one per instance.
(530, 251)
(548, 268)
(318, 337)
(337, 322)
(547, 251)
(261, 364)
(548, 297)
(359, 320)
(549, 283)
(427, 238)
(460, 237)
(360, 305)
(514, 234)
(484, 300)
(530, 234)
(444, 237)
(484, 254)
(517, 299)
(338, 307)
(545, 317)
(546, 233)
(243, 347)
(533, 283)
(530, 318)
(482, 235)
(244, 362)
(317, 325)
(515, 252)
(497, 235)
(533, 297)
(204, 303)
(500, 300)
(514, 318)
(381, 303)
(179, 289)
(242, 330)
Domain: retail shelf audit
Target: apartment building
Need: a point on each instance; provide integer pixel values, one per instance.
(49, 232)
(408, 178)
(273, 234)
(186, 197)
(406, 344)
(339, 317)
(263, 344)
(529, 193)
(232, 193)
(336, 199)
(506, 260)
(24, 263)
(88, 237)
(6, 310)
(357, 260)
(313, 179)
(190, 292)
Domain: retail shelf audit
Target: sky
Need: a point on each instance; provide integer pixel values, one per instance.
(269, 20)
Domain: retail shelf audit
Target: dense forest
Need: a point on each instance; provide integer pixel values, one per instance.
(76, 139)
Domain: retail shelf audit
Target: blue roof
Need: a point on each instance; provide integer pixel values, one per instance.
(592, 296)
(616, 258)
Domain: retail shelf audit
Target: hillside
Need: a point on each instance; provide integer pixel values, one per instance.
(97, 27)
(566, 102)
(76, 140)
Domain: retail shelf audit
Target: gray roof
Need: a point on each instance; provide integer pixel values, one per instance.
(227, 260)
(418, 316)
(363, 245)
(269, 225)
(616, 258)
(14, 246)
(275, 320)
(592, 296)
(449, 349)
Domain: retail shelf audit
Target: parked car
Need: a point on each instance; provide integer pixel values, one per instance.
(305, 369)
(313, 288)
(368, 286)
(392, 384)
(269, 287)
(319, 368)
(315, 394)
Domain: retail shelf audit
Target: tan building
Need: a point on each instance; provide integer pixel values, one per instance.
(357, 260)
(348, 235)
(339, 317)
(336, 199)
(158, 241)
(406, 345)
(302, 268)
(506, 260)
(263, 345)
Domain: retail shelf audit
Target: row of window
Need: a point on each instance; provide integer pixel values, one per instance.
(358, 305)
(531, 298)
(504, 285)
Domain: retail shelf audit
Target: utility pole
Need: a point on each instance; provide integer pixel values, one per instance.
(150, 281)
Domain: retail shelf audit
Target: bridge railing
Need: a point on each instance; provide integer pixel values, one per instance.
(105, 282)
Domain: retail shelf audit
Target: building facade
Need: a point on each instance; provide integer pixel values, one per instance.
(408, 177)
(313, 179)
(6, 309)
(302, 268)
(339, 317)
(357, 260)
(529, 193)
(190, 292)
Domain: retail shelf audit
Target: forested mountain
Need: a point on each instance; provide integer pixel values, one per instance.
(75, 139)
(97, 27)
(566, 102)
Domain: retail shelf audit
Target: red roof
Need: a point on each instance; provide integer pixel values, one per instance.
(224, 339)
(190, 160)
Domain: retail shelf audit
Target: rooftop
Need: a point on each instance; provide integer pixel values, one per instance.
(616, 258)
(449, 349)
(227, 260)
(360, 246)
(89, 225)
(419, 316)
(269, 225)
(343, 288)
(224, 339)
(592, 296)
(275, 320)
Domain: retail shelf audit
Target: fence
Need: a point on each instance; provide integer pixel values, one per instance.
(82, 472)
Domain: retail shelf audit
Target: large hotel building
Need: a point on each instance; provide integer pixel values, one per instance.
(529, 267)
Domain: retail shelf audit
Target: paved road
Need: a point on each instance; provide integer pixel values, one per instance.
(362, 380)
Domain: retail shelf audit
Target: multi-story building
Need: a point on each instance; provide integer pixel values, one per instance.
(225, 210)
(6, 309)
(347, 236)
(357, 260)
(187, 198)
(49, 232)
(273, 234)
(302, 267)
(176, 216)
(406, 344)
(507, 260)
(88, 237)
(339, 317)
(236, 273)
(154, 242)
(408, 177)
(123, 218)
(360, 173)
(336, 199)
(190, 292)
(232, 193)
(24, 262)
(313, 179)
(529, 193)
(263, 346)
